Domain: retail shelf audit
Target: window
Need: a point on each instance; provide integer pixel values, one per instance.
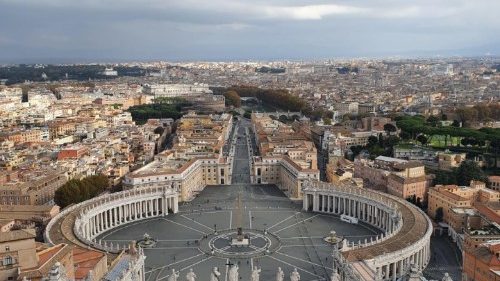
(7, 248)
(7, 260)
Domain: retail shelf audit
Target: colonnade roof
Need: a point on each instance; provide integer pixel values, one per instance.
(62, 232)
(415, 225)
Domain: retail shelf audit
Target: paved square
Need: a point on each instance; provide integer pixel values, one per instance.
(181, 237)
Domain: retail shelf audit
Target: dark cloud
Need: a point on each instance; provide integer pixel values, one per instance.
(244, 29)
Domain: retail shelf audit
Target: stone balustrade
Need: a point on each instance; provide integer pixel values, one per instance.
(406, 230)
(98, 215)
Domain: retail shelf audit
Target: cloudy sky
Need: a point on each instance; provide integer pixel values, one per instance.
(92, 30)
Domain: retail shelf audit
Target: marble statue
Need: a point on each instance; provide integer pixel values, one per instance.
(233, 273)
(335, 276)
(191, 276)
(280, 275)
(294, 276)
(173, 276)
(214, 275)
(256, 273)
(446, 277)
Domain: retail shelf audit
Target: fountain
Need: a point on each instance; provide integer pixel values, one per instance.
(146, 241)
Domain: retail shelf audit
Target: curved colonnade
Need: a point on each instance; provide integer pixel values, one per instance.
(93, 217)
(405, 240)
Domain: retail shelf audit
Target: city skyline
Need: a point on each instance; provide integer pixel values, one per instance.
(65, 32)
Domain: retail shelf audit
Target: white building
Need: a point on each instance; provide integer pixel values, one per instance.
(175, 90)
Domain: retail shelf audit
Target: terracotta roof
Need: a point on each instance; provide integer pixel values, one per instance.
(85, 260)
(484, 254)
(488, 212)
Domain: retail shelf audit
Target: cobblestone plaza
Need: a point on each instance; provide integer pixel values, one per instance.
(296, 237)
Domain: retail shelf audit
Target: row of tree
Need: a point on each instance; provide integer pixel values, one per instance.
(162, 108)
(276, 98)
(478, 113)
(75, 191)
(232, 98)
(377, 146)
(20, 73)
(412, 126)
(467, 171)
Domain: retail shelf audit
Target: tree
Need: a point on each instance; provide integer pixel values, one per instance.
(327, 121)
(405, 135)
(356, 150)
(389, 128)
(75, 191)
(433, 120)
(467, 171)
(422, 139)
(391, 141)
(439, 214)
(232, 98)
(159, 130)
(283, 119)
(372, 140)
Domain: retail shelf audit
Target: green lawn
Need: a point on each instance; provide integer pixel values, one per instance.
(439, 141)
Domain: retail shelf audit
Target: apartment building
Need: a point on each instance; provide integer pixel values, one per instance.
(22, 136)
(482, 263)
(494, 182)
(195, 160)
(32, 187)
(398, 177)
(286, 158)
(448, 197)
(408, 179)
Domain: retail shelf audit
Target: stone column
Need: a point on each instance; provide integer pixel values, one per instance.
(137, 210)
(126, 213)
(105, 214)
(176, 204)
(91, 226)
(304, 202)
(120, 214)
(394, 272)
(101, 220)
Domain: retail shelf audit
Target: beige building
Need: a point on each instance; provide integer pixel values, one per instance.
(17, 252)
(41, 213)
(21, 136)
(195, 160)
(494, 182)
(283, 172)
(398, 177)
(448, 161)
(408, 179)
(448, 197)
(287, 157)
(22, 257)
(32, 188)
